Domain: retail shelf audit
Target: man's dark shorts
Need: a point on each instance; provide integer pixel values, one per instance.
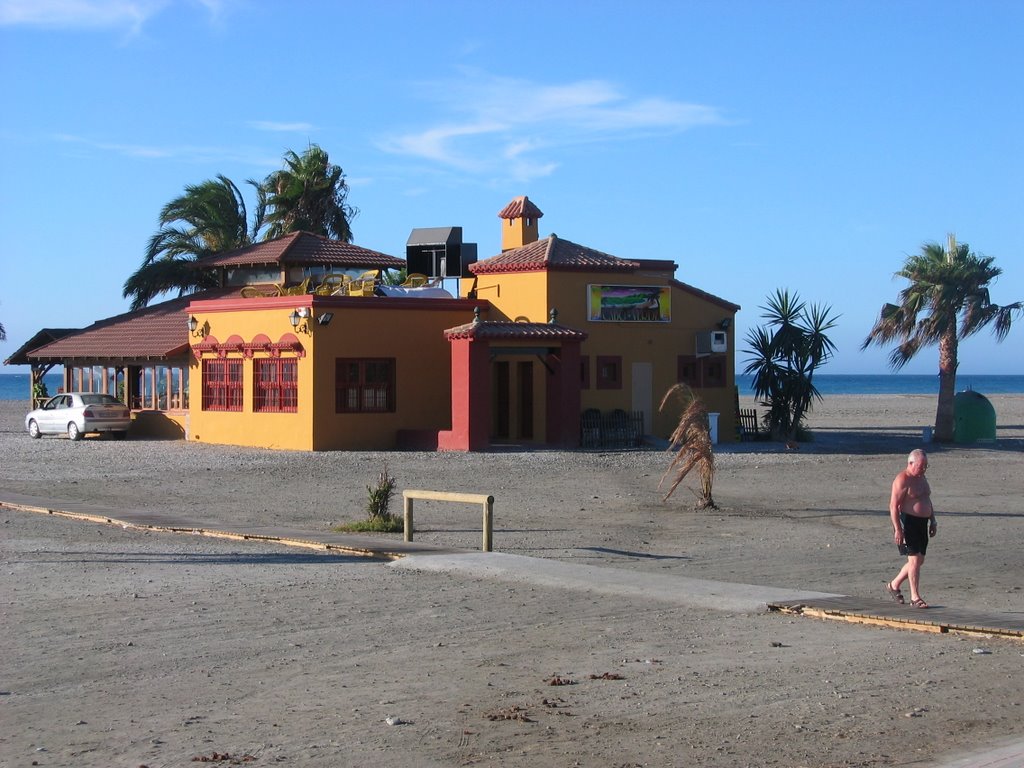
(915, 534)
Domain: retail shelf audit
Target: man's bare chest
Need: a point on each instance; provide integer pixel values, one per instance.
(917, 488)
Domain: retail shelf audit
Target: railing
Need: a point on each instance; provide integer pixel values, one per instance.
(615, 429)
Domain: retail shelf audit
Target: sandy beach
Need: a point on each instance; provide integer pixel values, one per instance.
(131, 648)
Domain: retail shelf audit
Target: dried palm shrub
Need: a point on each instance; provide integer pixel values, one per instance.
(691, 442)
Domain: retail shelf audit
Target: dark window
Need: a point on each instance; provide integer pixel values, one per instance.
(688, 370)
(276, 385)
(364, 386)
(701, 372)
(609, 372)
(713, 371)
(222, 385)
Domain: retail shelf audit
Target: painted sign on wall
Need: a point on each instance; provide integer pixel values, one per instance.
(629, 303)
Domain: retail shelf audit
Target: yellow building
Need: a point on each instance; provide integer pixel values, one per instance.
(645, 330)
(548, 343)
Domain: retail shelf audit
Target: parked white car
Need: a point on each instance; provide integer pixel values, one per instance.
(79, 413)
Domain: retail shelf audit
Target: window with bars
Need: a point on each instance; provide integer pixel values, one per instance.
(364, 385)
(275, 385)
(222, 385)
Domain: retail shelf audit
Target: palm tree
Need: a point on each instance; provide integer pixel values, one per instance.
(786, 357)
(309, 194)
(209, 218)
(691, 440)
(947, 301)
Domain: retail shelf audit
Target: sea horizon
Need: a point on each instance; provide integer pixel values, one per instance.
(15, 386)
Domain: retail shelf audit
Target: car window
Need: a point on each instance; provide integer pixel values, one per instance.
(96, 399)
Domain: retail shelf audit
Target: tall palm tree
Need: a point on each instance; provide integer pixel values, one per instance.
(209, 218)
(785, 356)
(308, 194)
(947, 301)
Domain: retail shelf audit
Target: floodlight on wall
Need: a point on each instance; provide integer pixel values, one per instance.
(724, 323)
(325, 318)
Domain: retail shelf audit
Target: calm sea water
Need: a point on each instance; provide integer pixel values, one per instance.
(14, 386)
(903, 384)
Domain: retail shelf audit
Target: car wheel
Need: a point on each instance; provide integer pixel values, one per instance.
(73, 431)
(33, 430)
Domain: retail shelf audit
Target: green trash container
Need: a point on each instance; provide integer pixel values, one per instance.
(974, 418)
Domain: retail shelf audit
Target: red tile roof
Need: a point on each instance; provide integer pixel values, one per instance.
(505, 329)
(41, 337)
(553, 254)
(520, 208)
(155, 332)
(304, 248)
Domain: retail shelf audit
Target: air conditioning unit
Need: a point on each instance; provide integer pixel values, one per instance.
(709, 342)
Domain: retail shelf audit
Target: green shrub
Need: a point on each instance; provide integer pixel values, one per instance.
(379, 518)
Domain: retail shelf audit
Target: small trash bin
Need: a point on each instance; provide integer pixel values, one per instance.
(974, 418)
(713, 427)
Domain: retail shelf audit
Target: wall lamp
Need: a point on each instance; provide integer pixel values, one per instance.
(325, 318)
(195, 329)
(298, 316)
(724, 323)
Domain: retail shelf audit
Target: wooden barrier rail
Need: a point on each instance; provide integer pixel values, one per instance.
(487, 502)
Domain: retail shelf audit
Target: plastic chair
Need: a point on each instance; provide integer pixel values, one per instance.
(364, 284)
(296, 290)
(333, 285)
(415, 280)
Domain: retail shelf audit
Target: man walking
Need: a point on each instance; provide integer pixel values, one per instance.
(913, 522)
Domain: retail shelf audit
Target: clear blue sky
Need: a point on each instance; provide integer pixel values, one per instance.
(805, 145)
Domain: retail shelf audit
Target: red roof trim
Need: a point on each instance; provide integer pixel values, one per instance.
(705, 295)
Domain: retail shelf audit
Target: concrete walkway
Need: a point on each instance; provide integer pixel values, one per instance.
(680, 590)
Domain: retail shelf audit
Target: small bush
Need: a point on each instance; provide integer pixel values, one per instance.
(380, 496)
(379, 518)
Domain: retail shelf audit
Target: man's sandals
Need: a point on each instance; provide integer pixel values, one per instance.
(895, 594)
